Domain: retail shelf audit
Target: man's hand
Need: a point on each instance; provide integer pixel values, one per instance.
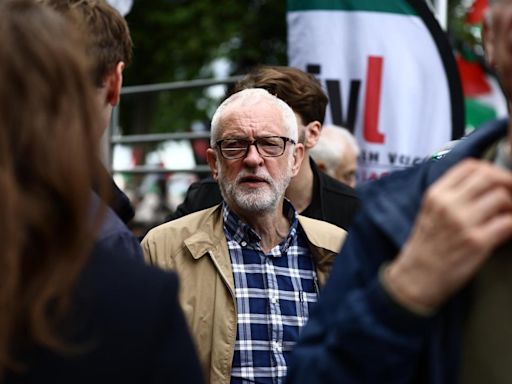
(464, 216)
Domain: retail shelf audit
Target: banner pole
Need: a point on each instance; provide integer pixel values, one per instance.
(441, 12)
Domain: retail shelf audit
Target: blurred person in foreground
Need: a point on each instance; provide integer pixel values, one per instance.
(250, 267)
(336, 154)
(313, 193)
(422, 289)
(109, 46)
(72, 309)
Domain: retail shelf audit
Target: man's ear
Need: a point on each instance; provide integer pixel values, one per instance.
(298, 156)
(211, 158)
(113, 84)
(488, 39)
(312, 134)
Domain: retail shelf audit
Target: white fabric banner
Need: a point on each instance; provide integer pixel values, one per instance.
(122, 6)
(384, 76)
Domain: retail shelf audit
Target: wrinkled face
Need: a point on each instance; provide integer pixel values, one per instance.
(254, 183)
(346, 171)
(498, 42)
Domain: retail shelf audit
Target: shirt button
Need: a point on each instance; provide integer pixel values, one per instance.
(276, 346)
(243, 243)
(274, 299)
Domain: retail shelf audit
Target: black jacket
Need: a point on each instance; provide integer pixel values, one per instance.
(115, 237)
(128, 322)
(118, 202)
(333, 201)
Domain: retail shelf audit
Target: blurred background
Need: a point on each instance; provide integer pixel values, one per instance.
(186, 55)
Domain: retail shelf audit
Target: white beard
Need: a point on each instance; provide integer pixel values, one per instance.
(251, 199)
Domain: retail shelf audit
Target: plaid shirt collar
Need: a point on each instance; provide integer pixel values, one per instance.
(240, 231)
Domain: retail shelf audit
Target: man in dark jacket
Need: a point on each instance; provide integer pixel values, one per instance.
(110, 45)
(313, 193)
(421, 292)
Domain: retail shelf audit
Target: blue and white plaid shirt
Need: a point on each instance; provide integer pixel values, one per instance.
(274, 294)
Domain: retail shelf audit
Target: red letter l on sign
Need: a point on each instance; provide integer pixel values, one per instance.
(372, 100)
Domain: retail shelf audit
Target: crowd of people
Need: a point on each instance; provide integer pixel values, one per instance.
(274, 269)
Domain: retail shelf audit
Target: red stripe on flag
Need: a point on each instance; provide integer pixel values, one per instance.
(475, 14)
(473, 78)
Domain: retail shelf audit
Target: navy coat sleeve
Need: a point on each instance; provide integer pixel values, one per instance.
(357, 334)
(175, 358)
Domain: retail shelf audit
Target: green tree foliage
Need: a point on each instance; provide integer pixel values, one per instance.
(466, 38)
(179, 39)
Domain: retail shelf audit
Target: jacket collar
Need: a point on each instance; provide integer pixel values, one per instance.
(393, 201)
(210, 239)
(210, 234)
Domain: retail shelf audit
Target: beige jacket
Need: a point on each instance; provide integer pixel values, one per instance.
(195, 247)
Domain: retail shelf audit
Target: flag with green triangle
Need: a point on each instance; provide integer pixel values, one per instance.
(483, 97)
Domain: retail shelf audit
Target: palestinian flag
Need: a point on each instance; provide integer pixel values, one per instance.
(483, 97)
(389, 72)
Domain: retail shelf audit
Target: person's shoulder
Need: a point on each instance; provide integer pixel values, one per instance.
(188, 223)
(207, 182)
(122, 310)
(202, 194)
(336, 187)
(127, 305)
(322, 234)
(127, 285)
(207, 187)
(113, 236)
(111, 223)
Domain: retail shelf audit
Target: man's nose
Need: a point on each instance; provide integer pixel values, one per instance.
(253, 156)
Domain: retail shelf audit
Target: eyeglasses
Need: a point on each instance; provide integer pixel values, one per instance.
(270, 146)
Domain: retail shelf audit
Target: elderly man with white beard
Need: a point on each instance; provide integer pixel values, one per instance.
(250, 267)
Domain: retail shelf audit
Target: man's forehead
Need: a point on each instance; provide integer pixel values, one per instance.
(252, 116)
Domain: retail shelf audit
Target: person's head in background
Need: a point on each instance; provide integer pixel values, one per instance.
(495, 33)
(336, 154)
(109, 46)
(300, 90)
(48, 115)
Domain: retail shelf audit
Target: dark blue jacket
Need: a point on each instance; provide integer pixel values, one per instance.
(118, 201)
(357, 334)
(126, 323)
(114, 236)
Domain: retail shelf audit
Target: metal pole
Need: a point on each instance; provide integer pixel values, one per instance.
(440, 9)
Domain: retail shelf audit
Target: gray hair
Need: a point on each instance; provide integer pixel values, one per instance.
(253, 96)
(332, 145)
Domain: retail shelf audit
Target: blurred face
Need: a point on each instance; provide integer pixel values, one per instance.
(498, 42)
(346, 171)
(254, 183)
